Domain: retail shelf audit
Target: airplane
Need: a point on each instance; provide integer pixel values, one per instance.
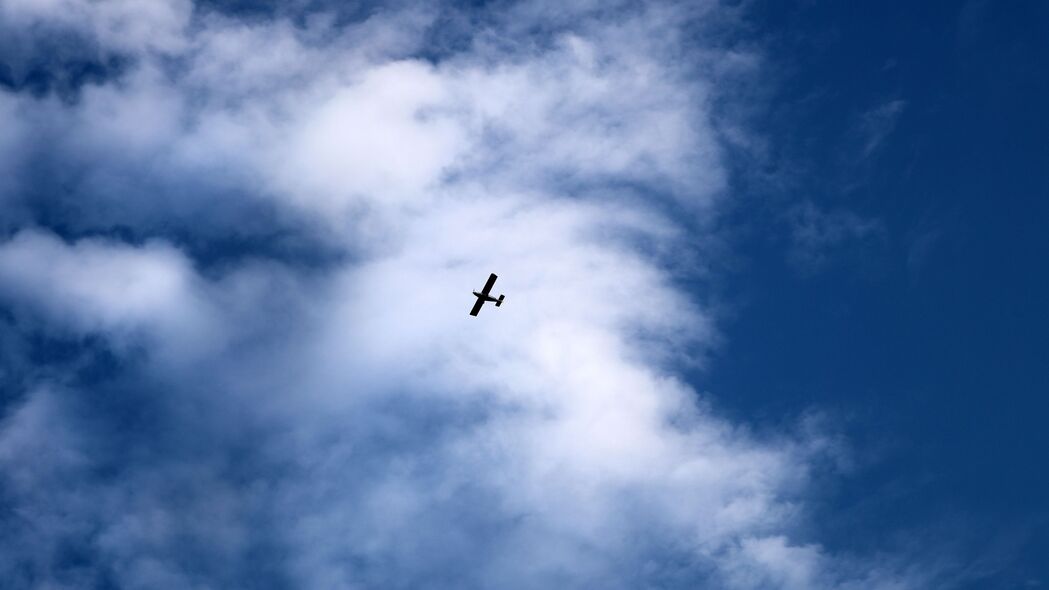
(483, 296)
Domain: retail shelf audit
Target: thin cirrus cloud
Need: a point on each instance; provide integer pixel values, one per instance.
(815, 233)
(262, 421)
(877, 123)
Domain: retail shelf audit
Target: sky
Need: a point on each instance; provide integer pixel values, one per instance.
(774, 281)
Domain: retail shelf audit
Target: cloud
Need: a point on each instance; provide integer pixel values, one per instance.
(877, 123)
(102, 286)
(126, 25)
(817, 235)
(268, 415)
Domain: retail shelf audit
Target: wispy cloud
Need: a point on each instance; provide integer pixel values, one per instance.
(877, 123)
(819, 235)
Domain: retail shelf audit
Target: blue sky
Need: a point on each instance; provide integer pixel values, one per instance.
(774, 285)
(928, 332)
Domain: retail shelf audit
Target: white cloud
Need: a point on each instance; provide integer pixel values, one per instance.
(371, 141)
(97, 286)
(385, 437)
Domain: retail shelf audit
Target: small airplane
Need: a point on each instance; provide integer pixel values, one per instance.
(483, 296)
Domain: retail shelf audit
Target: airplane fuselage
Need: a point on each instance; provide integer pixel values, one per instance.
(484, 297)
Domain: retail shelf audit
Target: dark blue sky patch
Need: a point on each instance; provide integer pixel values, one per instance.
(215, 225)
(58, 63)
(34, 354)
(64, 79)
(931, 338)
(299, 12)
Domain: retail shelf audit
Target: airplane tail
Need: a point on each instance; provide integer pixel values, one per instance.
(499, 301)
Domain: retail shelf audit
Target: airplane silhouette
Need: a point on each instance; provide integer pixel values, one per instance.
(483, 296)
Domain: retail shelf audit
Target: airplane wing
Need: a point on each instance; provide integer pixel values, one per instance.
(488, 285)
(477, 306)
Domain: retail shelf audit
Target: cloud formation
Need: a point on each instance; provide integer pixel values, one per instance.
(877, 123)
(234, 275)
(817, 233)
